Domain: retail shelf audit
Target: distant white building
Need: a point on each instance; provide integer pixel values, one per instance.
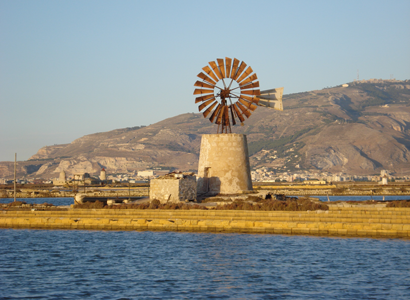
(146, 173)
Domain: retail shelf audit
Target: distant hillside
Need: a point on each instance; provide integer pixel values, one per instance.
(359, 129)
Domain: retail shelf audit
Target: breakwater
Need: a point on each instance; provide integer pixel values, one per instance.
(365, 221)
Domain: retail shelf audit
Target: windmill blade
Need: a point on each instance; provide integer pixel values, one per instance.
(250, 86)
(234, 67)
(228, 67)
(271, 98)
(238, 113)
(214, 68)
(209, 109)
(251, 92)
(206, 103)
(232, 115)
(240, 70)
(250, 99)
(245, 74)
(206, 78)
(203, 98)
(203, 84)
(248, 80)
(208, 71)
(221, 66)
(220, 115)
(203, 91)
(215, 113)
(243, 109)
(247, 104)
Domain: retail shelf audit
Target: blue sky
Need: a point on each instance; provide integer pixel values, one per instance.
(71, 68)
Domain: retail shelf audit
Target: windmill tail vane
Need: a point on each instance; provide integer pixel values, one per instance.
(229, 92)
(272, 98)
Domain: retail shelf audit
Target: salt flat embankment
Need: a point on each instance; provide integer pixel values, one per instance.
(365, 221)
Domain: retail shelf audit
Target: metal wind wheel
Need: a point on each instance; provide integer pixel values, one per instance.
(228, 92)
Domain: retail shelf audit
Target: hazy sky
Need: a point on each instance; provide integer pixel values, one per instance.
(71, 68)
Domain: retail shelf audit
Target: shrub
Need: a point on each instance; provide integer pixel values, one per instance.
(154, 204)
(17, 203)
(90, 205)
(291, 204)
(399, 203)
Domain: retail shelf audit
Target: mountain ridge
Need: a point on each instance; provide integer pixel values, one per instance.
(360, 129)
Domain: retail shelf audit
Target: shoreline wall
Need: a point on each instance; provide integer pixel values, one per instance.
(338, 221)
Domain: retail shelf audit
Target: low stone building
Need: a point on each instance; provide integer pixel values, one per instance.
(173, 188)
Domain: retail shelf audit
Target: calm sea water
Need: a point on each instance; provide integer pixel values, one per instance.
(62, 264)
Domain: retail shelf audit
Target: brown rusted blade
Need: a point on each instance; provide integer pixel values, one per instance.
(203, 91)
(240, 70)
(226, 116)
(209, 109)
(232, 115)
(243, 109)
(203, 98)
(214, 68)
(206, 103)
(238, 113)
(220, 115)
(251, 92)
(206, 78)
(247, 104)
(221, 66)
(250, 99)
(250, 86)
(208, 71)
(234, 67)
(215, 113)
(249, 79)
(203, 84)
(245, 74)
(228, 62)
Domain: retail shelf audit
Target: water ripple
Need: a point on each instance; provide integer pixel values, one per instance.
(48, 264)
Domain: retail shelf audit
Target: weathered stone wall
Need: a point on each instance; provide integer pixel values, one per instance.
(338, 221)
(187, 188)
(165, 190)
(173, 190)
(224, 164)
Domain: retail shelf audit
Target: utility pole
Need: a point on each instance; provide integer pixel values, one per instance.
(15, 186)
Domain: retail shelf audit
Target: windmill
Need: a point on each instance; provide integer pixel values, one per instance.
(229, 93)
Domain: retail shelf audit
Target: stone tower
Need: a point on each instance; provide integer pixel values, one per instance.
(103, 176)
(62, 177)
(224, 164)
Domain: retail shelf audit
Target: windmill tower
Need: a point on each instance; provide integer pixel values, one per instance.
(228, 93)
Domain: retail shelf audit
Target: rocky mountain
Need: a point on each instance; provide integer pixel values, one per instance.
(359, 129)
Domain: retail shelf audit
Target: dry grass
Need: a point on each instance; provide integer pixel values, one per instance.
(399, 203)
(275, 205)
(154, 204)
